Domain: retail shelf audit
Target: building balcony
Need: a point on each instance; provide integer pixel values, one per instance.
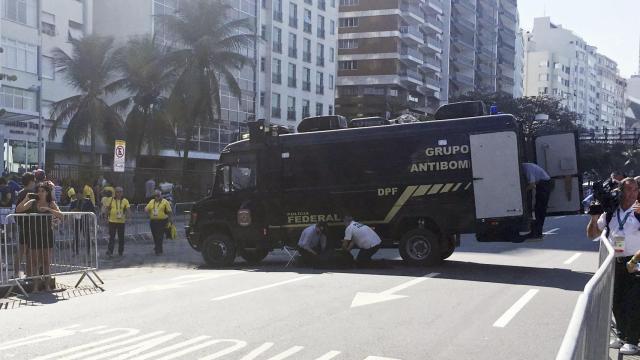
(411, 34)
(488, 51)
(410, 76)
(436, 5)
(510, 18)
(465, 7)
(275, 112)
(292, 82)
(277, 15)
(432, 83)
(463, 43)
(433, 24)
(293, 22)
(306, 56)
(276, 78)
(293, 52)
(411, 55)
(434, 43)
(463, 79)
(432, 64)
(306, 85)
(462, 61)
(464, 25)
(291, 115)
(411, 12)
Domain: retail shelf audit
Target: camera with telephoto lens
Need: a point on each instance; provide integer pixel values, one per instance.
(606, 197)
(32, 196)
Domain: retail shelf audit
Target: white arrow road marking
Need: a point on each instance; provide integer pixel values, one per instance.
(364, 298)
(224, 297)
(572, 259)
(176, 285)
(515, 308)
(551, 232)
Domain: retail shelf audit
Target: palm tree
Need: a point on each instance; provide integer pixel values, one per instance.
(87, 70)
(208, 49)
(147, 80)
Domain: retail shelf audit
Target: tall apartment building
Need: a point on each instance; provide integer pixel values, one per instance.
(559, 63)
(392, 56)
(518, 89)
(30, 30)
(297, 50)
(483, 46)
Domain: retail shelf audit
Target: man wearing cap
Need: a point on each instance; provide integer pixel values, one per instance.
(540, 181)
(117, 212)
(313, 242)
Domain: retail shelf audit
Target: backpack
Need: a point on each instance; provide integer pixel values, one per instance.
(609, 217)
(6, 197)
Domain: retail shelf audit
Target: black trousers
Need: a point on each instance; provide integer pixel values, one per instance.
(81, 229)
(626, 302)
(116, 228)
(158, 228)
(543, 191)
(364, 255)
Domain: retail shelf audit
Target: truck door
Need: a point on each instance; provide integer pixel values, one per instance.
(496, 174)
(557, 154)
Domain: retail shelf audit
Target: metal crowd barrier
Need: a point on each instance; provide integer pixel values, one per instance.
(587, 336)
(36, 247)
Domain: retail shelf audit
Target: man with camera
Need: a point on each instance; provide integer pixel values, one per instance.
(622, 228)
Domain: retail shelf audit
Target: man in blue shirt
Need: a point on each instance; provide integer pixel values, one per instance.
(538, 179)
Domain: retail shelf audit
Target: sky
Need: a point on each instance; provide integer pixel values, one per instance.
(613, 26)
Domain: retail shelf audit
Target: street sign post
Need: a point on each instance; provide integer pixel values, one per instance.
(119, 152)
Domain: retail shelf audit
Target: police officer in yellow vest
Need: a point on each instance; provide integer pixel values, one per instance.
(159, 210)
(117, 211)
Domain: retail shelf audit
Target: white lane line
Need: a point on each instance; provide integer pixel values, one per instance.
(551, 232)
(224, 297)
(572, 259)
(329, 355)
(515, 308)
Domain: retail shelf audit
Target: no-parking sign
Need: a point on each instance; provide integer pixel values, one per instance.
(119, 152)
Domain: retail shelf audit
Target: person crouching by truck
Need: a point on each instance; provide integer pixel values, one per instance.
(312, 243)
(159, 211)
(622, 229)
(363, 237)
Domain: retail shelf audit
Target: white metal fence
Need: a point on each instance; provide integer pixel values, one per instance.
(36, 247)
(588, 334)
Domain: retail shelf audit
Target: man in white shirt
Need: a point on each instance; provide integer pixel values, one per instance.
(363, 237)
(539, 180)
(313, 242)
(149, 188)
(623, 231)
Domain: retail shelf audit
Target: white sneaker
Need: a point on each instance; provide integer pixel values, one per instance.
(616, 343)
(629, 349)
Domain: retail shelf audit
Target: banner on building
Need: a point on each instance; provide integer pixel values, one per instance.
(119, 152)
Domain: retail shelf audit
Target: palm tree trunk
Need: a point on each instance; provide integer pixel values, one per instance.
(185, 155)
(148, 114)
(94, 155)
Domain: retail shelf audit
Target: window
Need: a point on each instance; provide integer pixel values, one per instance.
(306, 79)
(293, 47)
(321, 26)
(332, 54)
(293, 15)
(277, 40)
(318, 109)
(348, 22)
(48, 22)
(306, 50)
(262, 96)
(263, 62)
(20, 56)
(76, 30)
(320, 55)
(333, 3)
(348, 44)
(330, 81)
(349, 2)
(275, 105)
(332, 27)
(330, 109)
(240, 174)
(263, 32)
(307, 21)
(19, 99)
(306, 108)
(322, 4)
(276, 72)
(292, 81)
(348, 65)
(319, 83)
(21, 11)
(291, 108)
(48, 67)
(277, 10)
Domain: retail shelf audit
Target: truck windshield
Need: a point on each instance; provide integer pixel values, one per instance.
(236, 173)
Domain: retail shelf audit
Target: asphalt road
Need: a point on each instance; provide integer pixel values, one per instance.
(488, 301)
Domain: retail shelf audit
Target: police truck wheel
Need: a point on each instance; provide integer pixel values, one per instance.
(420, 247)
(218, 250)
(254, 256)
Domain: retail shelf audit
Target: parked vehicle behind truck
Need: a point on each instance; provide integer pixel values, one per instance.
(420, 185)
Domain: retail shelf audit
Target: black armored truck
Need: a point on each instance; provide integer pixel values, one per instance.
(419, 185)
